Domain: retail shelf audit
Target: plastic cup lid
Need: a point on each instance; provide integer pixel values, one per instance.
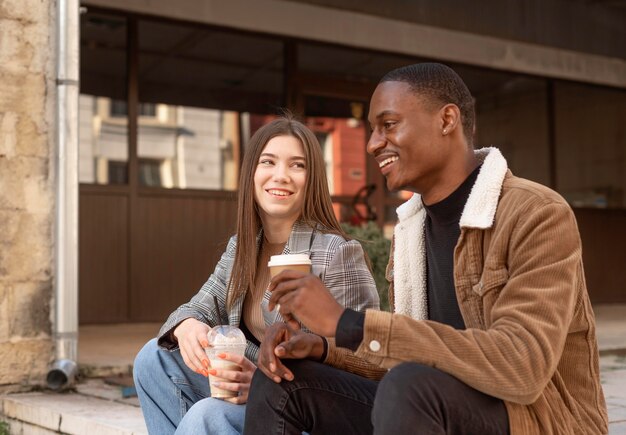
(226, 335)
(289, 260)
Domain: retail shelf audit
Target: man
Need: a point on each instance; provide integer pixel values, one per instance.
(492, 330)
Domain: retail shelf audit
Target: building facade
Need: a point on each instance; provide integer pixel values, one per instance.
(171, 91)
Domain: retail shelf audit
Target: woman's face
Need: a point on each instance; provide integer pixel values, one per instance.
(279, 180)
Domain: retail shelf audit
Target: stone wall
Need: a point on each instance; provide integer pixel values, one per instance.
(26, 191)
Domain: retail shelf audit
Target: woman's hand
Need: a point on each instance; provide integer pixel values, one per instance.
(240, 379)
(283, 341)
(191, 335)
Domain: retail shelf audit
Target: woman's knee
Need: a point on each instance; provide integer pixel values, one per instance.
(147, 359)
(212, 415)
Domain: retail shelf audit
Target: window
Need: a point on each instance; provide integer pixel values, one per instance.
(103, 120)
(199, 84)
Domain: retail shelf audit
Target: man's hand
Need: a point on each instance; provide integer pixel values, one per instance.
(191, 335)
(283, 341)
(240, 379)
(305, 297)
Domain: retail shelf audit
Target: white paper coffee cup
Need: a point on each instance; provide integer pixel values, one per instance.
(299, 262)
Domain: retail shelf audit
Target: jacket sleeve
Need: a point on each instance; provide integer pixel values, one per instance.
(202, 306)
(347, 360)
(349, 279)
(517, 354)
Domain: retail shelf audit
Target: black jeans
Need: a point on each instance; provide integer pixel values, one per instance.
(410, 399)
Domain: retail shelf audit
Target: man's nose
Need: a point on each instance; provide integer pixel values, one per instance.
(376, 142)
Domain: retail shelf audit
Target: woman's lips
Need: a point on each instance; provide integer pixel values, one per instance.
(280, 193)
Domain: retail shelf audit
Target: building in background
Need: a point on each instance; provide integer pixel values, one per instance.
(171, 91)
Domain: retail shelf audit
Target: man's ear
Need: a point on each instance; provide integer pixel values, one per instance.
(450, 118)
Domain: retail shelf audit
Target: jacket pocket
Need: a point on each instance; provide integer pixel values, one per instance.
(488, 290)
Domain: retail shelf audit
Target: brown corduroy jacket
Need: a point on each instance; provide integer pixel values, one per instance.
(530, 337)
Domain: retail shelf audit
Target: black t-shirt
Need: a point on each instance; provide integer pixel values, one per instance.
(442, 232)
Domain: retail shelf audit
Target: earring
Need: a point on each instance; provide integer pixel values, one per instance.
(445, 131)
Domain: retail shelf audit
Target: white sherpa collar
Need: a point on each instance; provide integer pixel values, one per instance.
(409, 256)
(481, 205)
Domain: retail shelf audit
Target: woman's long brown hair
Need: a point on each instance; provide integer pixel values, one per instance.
(317, 210)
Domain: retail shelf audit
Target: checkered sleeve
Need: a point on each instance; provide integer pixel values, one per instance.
(348, 276)
(202, 306)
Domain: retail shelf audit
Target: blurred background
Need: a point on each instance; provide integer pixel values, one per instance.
(171, 93)
(122, 130)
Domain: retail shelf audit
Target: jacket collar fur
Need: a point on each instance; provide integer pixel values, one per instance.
(409, 255)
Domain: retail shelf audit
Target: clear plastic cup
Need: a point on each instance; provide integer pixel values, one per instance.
(224, 339)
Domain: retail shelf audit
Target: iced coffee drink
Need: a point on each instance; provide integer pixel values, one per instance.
(224, 339)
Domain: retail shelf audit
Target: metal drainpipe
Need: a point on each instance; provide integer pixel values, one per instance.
(63, 371)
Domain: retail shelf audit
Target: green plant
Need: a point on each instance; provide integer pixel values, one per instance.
(4, 428)
(377, 248)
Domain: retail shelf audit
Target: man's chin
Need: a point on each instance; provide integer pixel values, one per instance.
(393, 187)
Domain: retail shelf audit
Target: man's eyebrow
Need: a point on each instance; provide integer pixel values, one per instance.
(381, 115)
(385, 113)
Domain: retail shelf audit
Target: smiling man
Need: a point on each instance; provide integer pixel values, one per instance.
(492, 330)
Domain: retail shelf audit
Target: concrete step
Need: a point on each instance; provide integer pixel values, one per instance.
(95, 408)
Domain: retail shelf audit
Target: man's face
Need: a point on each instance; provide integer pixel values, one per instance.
(406, 138)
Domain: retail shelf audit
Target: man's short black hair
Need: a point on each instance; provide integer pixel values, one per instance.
(439, 85)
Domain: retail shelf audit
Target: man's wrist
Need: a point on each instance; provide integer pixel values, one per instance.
(319, 348)
(322, 358)
(349, 332)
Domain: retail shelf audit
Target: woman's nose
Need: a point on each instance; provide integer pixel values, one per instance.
(281, 173)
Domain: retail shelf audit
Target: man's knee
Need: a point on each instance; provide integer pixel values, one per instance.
(264, 391)
(411, 381)
(260, 387)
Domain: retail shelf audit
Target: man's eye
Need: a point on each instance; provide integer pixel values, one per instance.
(389, 124)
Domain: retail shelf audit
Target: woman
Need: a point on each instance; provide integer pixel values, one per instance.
(284, 207)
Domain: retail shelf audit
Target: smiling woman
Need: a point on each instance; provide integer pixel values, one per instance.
(279, 183)
(290, 212)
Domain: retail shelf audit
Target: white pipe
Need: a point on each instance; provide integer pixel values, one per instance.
(65, 320)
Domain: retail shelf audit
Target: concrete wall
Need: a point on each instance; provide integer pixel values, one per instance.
(368, 26)
(517, 124)
(580, 25)
(26, 190)
(591, 139)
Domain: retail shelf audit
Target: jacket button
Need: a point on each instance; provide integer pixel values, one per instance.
(374, 346)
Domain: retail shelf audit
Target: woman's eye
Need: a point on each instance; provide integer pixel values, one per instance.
(300, 165)
(265, 162)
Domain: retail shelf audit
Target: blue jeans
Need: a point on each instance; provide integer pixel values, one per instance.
(174, 399)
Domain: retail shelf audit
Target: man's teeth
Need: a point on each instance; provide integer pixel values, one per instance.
(278, 192)
(387, 161)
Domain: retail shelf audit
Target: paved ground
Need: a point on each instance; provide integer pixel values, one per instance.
(613, 375)
(98, 408)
